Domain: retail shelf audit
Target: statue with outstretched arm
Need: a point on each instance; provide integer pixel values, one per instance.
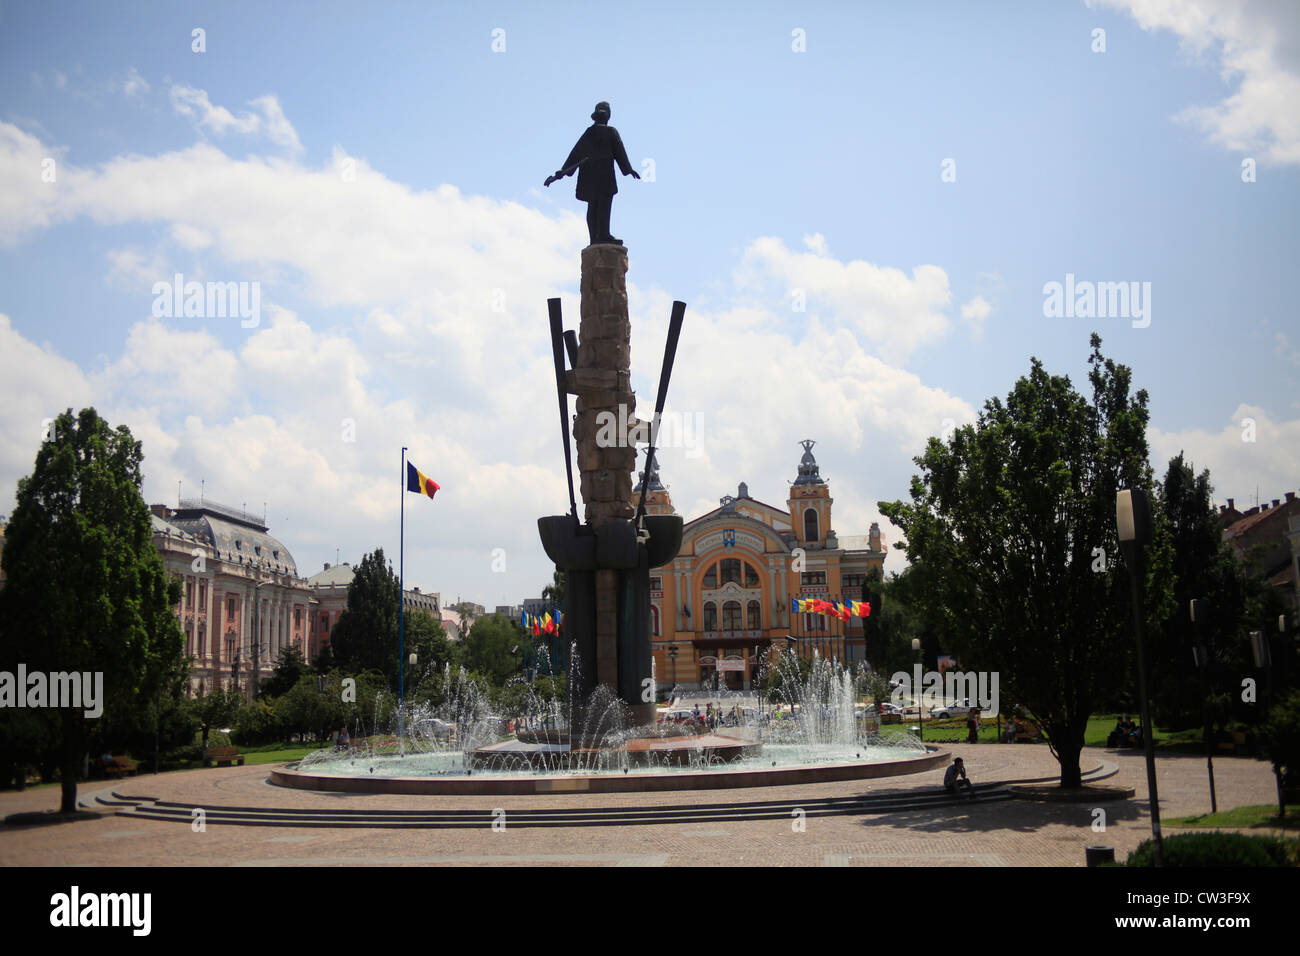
(593, 158)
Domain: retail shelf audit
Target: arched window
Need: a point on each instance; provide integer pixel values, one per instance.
(754, 616)
(731, 616)
(751, 576)
(711, 577)
(654, 620)
(730, 571)
(710, 616)
(810, 529)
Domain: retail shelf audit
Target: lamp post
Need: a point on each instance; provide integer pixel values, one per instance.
(672, 657)
(1201, 653)
(916, 694)
(1133, 522)
(1264, 661)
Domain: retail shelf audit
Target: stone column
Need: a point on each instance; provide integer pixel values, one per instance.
(603, 382)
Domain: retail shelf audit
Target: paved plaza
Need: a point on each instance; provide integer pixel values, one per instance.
(1015, 832)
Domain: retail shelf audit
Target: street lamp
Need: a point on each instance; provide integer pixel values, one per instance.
(916, 695)
(1201, 654)
(672, 657)
(1133, 522)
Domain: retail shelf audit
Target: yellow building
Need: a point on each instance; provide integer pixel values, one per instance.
(725, 601)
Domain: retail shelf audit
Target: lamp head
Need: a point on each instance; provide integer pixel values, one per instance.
(1133, 516)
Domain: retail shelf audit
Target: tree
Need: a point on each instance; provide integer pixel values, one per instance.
(289, 668)
(86, 590)
(1204, 567)
(1014, 521)
(216, 709)
(365, 636)
(492, 648)
(553, 593)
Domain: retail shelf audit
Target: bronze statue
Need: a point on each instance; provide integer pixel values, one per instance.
(593, 158)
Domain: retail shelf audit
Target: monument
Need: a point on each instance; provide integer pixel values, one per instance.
(607, 556)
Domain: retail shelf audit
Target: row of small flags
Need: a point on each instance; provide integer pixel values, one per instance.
(840, 609)
(537, 624)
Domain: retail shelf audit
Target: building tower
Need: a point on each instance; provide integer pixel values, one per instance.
(810, 503)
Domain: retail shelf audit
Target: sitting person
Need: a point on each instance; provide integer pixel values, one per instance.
(956, 778)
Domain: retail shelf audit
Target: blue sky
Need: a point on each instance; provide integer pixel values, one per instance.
(775, 170)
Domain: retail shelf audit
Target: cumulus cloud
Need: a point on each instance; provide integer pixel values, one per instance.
(1257, 45)
(446, 353)
(1252, 450)
(890, 311)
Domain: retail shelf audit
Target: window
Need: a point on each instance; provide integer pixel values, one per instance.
(813, 577)
(810, 530)
(853, 582)
(203, 594)
(754, 616)
(297, 617)
(751, 576)
(711, 577)
(731, 616)
(654, 620)
(189, 595)
(230, 609)
(730, 571)
(710, 616)
(656, 584)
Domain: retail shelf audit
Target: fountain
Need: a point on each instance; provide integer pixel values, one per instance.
(604, 735)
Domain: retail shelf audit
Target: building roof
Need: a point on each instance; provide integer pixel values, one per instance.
(338, 575)
(234, 536)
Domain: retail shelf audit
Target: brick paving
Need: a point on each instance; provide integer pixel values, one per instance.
(1016, 832)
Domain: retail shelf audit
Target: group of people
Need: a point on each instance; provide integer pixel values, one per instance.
(714, 717)
(341, 739)
(1125, 734)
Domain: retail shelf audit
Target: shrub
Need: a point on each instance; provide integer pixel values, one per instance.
(1214, 849)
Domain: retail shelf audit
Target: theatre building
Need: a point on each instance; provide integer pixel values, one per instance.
(724, 602)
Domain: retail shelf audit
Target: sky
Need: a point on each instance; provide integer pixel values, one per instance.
(864, 207)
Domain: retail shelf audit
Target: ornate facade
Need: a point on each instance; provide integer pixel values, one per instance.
(237, 581)
(724, 602)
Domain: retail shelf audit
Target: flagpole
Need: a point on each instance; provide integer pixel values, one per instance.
(401, 614)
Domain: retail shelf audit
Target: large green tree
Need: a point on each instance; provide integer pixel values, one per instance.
(86, 590)
(365, 637)
(1014, 521)
(1204, 567)
(493, 648)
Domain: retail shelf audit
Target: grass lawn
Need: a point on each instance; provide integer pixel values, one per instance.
(278, 752)
(1258, 816)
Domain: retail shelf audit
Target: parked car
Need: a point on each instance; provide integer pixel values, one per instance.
(954, 710)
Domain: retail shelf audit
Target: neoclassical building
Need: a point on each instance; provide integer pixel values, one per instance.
(724, 602)
(237, 581)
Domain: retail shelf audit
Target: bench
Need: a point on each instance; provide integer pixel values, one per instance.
(220, 756)
(1027, 731)
(122, 766)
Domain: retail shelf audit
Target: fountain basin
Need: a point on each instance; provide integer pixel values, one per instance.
(489, 783)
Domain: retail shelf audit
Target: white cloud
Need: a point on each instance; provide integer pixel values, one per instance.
(893, 313)
(1269, 462)
(975, 312)
(134, 84)
(268, 118)
(1257, 43)
(1282, 346)
(427, 362)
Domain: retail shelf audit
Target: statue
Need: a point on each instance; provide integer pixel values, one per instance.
(593, 158)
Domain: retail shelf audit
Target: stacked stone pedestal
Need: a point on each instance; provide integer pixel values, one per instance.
(607, 609)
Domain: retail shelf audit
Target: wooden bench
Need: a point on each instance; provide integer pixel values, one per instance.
(220, 756)
(1028, 731)
(122, 766)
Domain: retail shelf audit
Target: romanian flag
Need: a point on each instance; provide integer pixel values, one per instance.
(548, 625)
(862, 609)
(419, 482)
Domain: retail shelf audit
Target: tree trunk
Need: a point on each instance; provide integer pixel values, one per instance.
(69, 765)
(1068, 755)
